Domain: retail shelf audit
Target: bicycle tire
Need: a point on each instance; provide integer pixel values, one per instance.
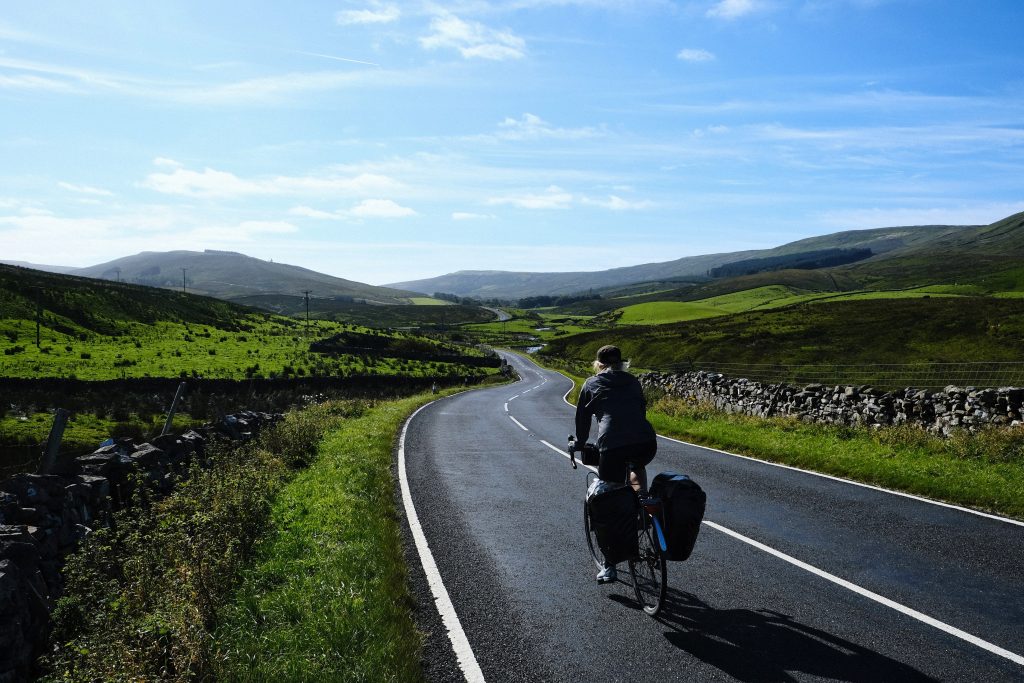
(649, 569)
(595, 551)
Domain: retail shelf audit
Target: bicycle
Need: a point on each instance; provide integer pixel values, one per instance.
(649, 569)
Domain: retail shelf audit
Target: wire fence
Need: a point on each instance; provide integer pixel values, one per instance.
(889, 376)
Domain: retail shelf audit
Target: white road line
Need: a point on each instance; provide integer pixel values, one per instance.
(828, 476)
(463, 651)
(521, 425)
(903, 609)
(506, 406)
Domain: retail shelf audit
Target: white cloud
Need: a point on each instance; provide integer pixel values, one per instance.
(552, 198)
(167, 163)
(309, 212)
(472, 39)
(210, 183)
(733, 9)
(85, 189)
(382, 15)
(532, 127)
(380, 208)
(368, 208)
(468, 216)
(691, 54)
(616, 203)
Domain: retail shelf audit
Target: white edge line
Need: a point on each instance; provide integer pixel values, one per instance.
(463, 651)
(902, 494)
(903, 609)
(506, 406)
(521, 425)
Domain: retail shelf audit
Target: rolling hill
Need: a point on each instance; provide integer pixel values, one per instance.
(503, 284)
(230, 275)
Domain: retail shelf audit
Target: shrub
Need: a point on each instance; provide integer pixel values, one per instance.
(85, 355)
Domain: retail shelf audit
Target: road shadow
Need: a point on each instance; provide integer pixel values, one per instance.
(764, 645)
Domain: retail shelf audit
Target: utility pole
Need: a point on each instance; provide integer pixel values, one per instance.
(183, 271)
(306, 292)
(39, 313)
(117, 274)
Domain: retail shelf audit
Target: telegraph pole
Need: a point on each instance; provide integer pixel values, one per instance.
(117, 274)
(183, 271)
(39, 313)
(306, 292)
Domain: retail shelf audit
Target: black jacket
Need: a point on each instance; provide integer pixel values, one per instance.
(616, 399)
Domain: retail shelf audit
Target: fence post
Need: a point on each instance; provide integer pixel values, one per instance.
(174, 408)
(60, 422)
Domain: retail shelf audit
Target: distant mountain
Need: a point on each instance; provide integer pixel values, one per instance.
(514, 285)
(37, 266)
(230, 275)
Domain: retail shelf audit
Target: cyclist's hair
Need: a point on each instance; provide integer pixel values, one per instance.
(600, 367)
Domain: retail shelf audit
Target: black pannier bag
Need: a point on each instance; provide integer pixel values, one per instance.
(683, 503)
(612, 510)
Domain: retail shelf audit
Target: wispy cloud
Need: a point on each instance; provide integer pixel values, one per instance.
(472, 39)
(532, 127)
(691, 54)
(552, 198)
(211, 183)
(368, 208)
(383, 14)
(85, 189)
(733, 9)
(469, 216)
(616, 203)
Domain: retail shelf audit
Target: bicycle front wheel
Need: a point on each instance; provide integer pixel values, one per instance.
(649, 569)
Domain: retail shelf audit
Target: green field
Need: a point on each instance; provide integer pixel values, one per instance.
(938, 329)
(429, 301)
(263, 346)
(772, 296)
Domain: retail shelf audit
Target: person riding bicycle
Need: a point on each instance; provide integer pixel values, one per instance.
(626, 441)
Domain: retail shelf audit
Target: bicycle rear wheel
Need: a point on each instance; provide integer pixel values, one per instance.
(595, 551)
(649, 569)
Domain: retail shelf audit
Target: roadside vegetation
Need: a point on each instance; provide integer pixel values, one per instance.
(326, 598)
(282, 561)
(143, 596)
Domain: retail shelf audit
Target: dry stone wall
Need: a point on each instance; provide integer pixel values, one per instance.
(939, 412)
(44, 516)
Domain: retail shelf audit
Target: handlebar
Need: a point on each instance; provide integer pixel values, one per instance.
(588, 450)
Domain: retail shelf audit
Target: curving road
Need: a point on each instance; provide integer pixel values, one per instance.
(795, 577)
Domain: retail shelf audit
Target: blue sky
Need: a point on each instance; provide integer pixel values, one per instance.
(385, 141)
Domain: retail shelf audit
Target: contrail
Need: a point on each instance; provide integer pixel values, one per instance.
(337, 59)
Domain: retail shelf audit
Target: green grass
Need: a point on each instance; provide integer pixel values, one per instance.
(257, 346)
(327, 596)
(428, 301)
(937, 329)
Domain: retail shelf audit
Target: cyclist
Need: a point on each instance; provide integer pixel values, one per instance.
(625, 439)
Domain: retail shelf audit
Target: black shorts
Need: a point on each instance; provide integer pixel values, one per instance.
(617, 462)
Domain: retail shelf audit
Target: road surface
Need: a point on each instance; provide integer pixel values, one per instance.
(795, 576)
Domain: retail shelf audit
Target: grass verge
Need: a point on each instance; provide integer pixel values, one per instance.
(984, 471)
(327, 597)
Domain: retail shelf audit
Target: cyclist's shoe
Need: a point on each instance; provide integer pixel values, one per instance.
(607, 575)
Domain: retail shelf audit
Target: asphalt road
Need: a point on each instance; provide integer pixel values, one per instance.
(795, 577)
